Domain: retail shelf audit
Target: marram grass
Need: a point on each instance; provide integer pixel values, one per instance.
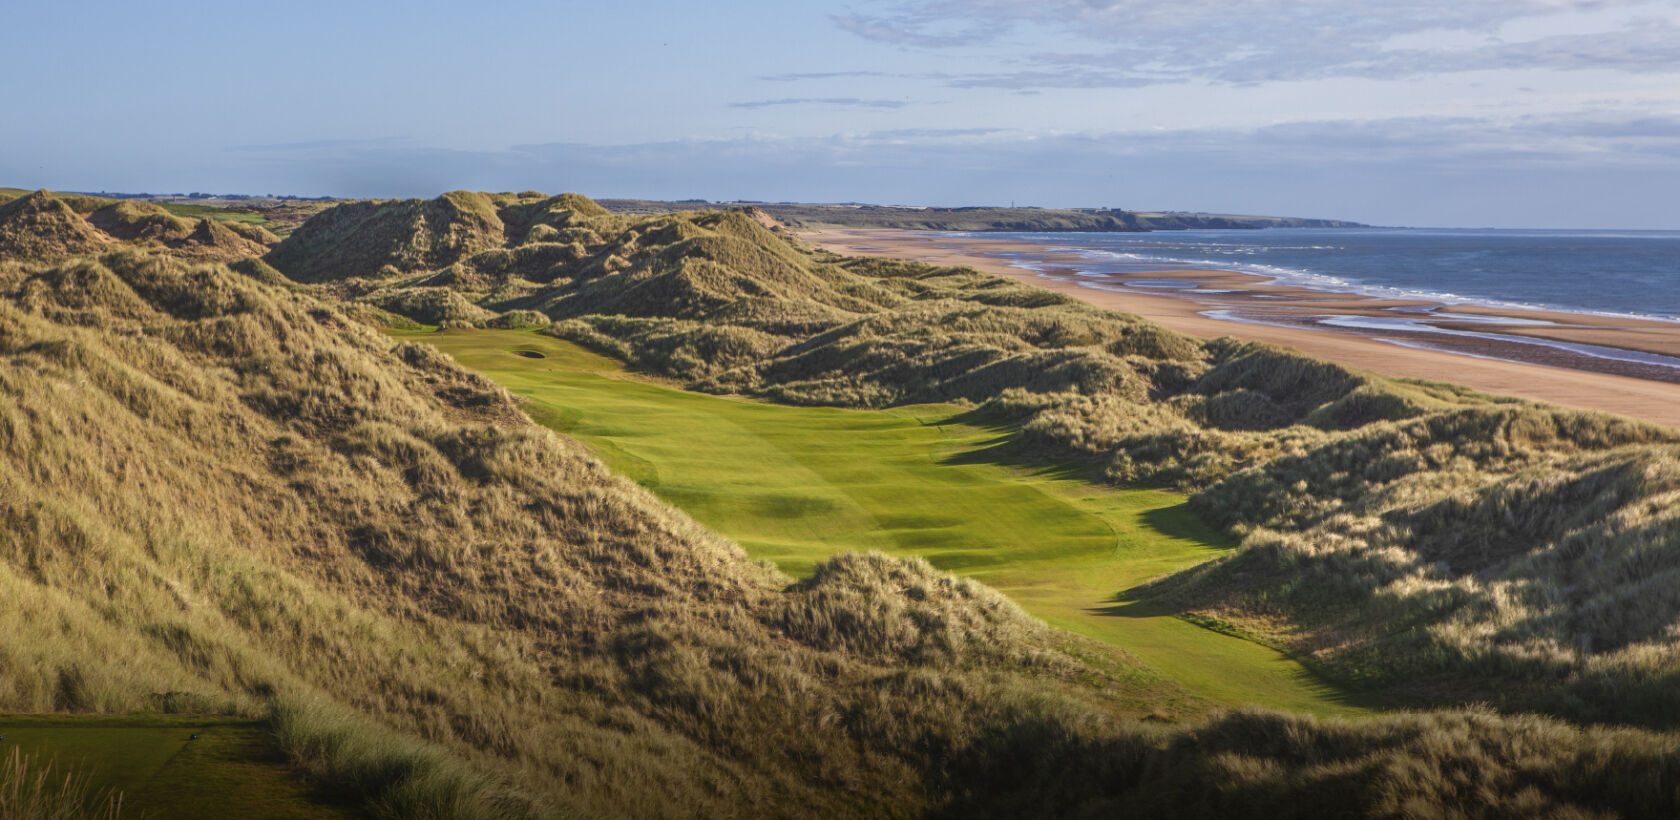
(1411, 538)
(226, 494)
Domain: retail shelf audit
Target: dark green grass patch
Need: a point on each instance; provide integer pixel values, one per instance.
(232, 768)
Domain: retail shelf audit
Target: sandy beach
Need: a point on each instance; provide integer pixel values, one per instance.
(1615, 364)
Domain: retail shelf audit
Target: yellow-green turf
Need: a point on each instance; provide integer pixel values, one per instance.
(208, 211)
(233, 768)
(795, 485)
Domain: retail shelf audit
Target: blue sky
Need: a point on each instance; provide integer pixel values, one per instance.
(1537, 113)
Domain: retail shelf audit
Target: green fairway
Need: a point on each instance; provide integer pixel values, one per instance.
(209, 212)
(796, 485)
(232, 769)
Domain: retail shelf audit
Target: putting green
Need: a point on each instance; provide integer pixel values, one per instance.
(796, 485)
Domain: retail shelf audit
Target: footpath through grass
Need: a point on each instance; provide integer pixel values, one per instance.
(796, 485)
(232, 769)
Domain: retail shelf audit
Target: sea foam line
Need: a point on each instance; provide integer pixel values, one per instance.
(1310, 280)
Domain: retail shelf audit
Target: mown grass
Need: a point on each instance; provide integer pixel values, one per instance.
(174, 766)
(797, 485)
(218, 214)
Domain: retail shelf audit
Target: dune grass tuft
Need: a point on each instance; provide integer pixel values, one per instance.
(34, 790)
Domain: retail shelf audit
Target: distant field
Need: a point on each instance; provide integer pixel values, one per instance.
(232, 770)
(796, 484)
(207, 212)
(280, 220)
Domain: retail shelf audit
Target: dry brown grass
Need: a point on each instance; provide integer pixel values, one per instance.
(45, 227)
(1440, 545)
(222, 493)
(41, 226)
(225, 496)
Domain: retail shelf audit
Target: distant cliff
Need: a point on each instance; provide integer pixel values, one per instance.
(799, 215)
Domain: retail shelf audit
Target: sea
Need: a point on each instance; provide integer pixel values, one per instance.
(1622, 273)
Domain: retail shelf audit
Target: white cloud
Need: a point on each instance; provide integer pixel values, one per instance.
(1120, 43)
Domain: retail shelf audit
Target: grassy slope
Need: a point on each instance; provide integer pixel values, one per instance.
(232, 769)
(1410, 537)
(796, 485)
(176, 208)
(219, 214)
(1295, 446)
(223, 495)
(49, 227)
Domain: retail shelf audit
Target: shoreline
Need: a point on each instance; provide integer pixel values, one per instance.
(1619, 364)
(1328, 284)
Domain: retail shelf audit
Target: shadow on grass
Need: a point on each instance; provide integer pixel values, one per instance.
(1179, 521)
(1331, 687)
(1006, 449)
(1134, 608)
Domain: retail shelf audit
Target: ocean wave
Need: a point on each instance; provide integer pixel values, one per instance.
(1314, 280)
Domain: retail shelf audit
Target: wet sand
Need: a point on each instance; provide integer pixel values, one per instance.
(1621, 365)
